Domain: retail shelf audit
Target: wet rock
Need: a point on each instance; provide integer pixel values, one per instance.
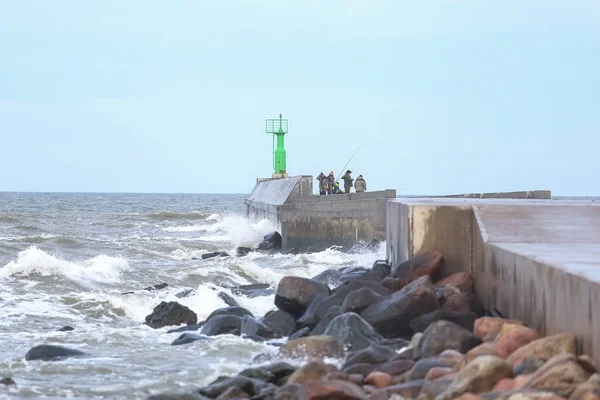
(393, 284)
(279, 369)
(465, 320)
(294, 294)
(324, 322)
(250, 326)
(479, 376)
(171, 313)
(562, 374)
(186, 328)
(359, 300)
(280, 323)
(329, 277)
(237, 311)
(395, 368)
(233, 393)
(528, 366)
(222, 325)
(427, 264)
(218, 387)
(590, 390)
(258, 373)
(184, 293)
(188, 338)
(254, 338)
(214, 254)
(353, 331)
(309, 318)
(304, 332)
(490, 326)
(271, 241)
(156, 287)
(379, 379)
(350, 286)
(336, 389)
(438, 372)
(510, 340)
(381, 268)
(288, 391)
(462, 280)
(372, 355)
(48, 352)
(313, 346)
(7, 382)
(442, 335)
(254, 290)
(463, 302)
(394, 344)
(545, 348)
(314, 370)
(423, 366)
(242, 251)
(177, 396)
(65, 328)
(409, 390)
(391, 316)
(230, 301)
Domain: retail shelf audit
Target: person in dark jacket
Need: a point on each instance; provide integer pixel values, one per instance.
(330, 182)
(360, 185)
(347, 181)
(322, 184)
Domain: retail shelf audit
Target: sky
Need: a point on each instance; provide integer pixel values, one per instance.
(439, 97)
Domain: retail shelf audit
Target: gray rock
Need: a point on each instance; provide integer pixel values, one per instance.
(280, 322)
(353, 331)
(239, 311)
(171, 313)
(294, 294)
(221, 325)
(444, 335)
(188, 338)
(48, 352)
(250, 326)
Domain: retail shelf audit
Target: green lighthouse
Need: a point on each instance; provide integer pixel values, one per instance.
(278, 128)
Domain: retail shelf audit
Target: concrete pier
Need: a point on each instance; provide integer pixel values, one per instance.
(533, 260)
(306, 220)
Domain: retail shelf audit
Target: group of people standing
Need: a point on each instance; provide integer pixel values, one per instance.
(328, 184)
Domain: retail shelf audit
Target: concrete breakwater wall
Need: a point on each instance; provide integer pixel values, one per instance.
(305, 220)
(533, 260)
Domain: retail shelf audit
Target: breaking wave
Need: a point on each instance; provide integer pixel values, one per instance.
(169, 215)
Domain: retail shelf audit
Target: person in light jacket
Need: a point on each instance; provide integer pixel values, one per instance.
(360, 185)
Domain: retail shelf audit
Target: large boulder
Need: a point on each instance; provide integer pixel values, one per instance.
(221, 325)
(220, 386)
(353, 331)
(314, 370)
(271, 241)
(462, 280)
(171, 313)
(188, 338)
(374, 355)
(443, 335)
(490, 327)
(465, 320)
(562, 374)
(321, 327)
(391, 316)
(48, 352)
(359, 300)
(313, 346)
(250, 327)
(280, 323)
(335, 389)
(309, 318)
(254, 290)
(427, 264)
(294, 294)
(545, 348)
(238, 311)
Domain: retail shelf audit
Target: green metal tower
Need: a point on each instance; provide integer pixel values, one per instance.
(278, 127)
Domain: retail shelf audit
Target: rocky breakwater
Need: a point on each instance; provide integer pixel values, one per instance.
(391, 334)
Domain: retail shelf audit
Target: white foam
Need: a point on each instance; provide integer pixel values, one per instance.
(187, 228)
(34, 261)
(241, 232)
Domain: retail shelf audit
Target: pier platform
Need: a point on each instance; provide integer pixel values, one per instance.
(532, 260)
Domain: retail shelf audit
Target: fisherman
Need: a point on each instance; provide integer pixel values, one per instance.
(322, 184)
(347, 181)
(336, 188)
(330, 182)
(360, 185)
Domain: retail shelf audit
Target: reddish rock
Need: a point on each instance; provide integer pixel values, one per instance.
(484, 349)
(462, 280)
(451, 356)
(590, 390)
(429, 263)
(487, 326)
(504, 385)
(521, 380)
(510, 339)
(562, 374)
(314, 370)
(438, 372)
(545, 348)
(469, 396)
(464, 303)
(378, 379)
(294, 294)
(341, 390)
(313, 346)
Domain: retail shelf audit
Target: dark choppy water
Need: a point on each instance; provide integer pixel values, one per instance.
(65, 259)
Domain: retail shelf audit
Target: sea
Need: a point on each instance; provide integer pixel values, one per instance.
(67, 259)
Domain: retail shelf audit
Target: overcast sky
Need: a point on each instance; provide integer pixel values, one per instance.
(171, 96)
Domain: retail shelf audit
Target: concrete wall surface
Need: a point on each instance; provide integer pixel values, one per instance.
(534, 260)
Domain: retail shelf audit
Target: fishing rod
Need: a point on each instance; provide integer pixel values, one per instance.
(341, 173)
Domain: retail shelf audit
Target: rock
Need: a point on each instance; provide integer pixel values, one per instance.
(381, 268)
(313, 346)
(65, 328)
(463, 302)
(350, 286)
(590, 390)
(294, 294)
(484, 349)
(271, 373)
(329, 277)
(238, 311)
(451, 356)
(156, 287)
(379, 379)
(221, 325)
(336, 389)
(233, 393)
(258, 373)
(48, 352)
(188, 338)
(479, 376)
(490, 326)
(427, 264)
(230, 301)
(353, 331)
(372, 355)
(314, 370)
(293, 251)
(184, 293)
(186, 328)
(432, 389)
(395, 368)
(442, 335)
(254, 290)
(358, 300)
(390, 316)
(510, 340)
(271, 241)
(7, 382)
(545, 348)
(438, 372)
(280, 322)
(214, 254)
(309, 318)
(171, 313)
(288, 391)
(562, 374)
(331, 314)
(465, 320)
(406, 390)
(177, 396)
(250, 326)
(462, 280)
(423, 366)
(218, 387)
(304, 332)
(528, 366)
(394, 344)
(242, 251)
(393, 284)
